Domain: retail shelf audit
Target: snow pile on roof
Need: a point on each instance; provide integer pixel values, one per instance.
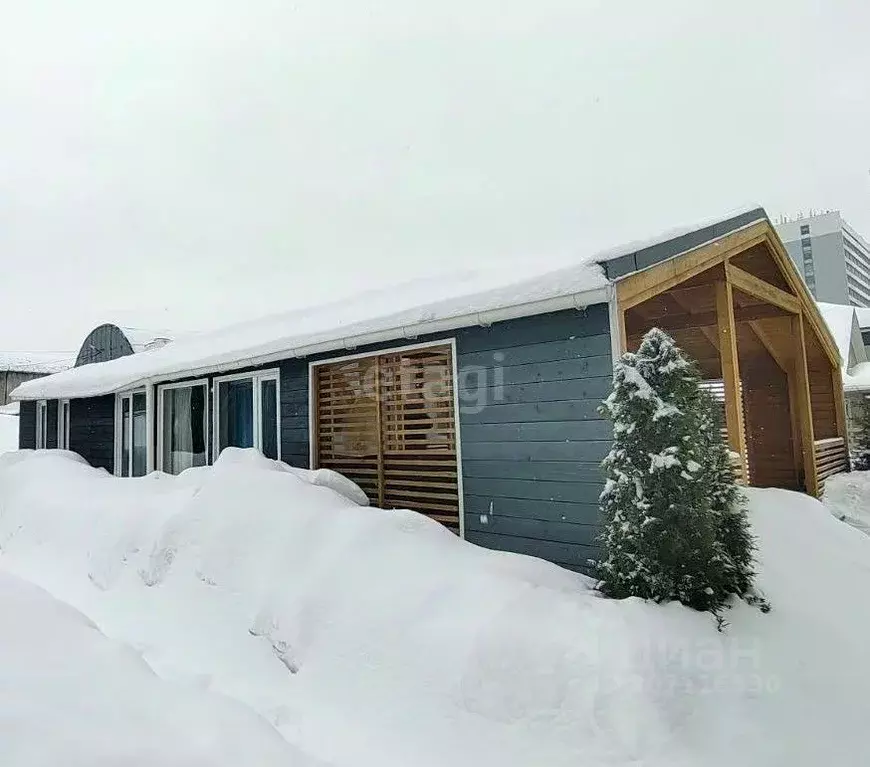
(141, 338)
(847, 496)
(399, 311)
(36, 362)
(858, 378)
(411, 306)
(8, 431)
(378, 638)
(840, 320)
(863, 317)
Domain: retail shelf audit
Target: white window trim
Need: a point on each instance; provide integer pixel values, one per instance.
(63, 424)
(119, 428)
(41, 424)
(159, 426)
(256, 377)
(312, 415)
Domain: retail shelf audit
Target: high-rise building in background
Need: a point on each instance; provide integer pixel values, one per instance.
(832, 257)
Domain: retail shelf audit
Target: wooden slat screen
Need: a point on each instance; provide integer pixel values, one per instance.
(388, 423)
(831, 457)
(716, 389)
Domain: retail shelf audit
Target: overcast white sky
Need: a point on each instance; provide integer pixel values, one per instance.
(185, 164)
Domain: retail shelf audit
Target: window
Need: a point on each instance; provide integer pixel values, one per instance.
(131, 443)
(182, 431)
(63, 424)
(41, 424)
(246, 412)
(805, 229)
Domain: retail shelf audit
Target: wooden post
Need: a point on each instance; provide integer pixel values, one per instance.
(794, 410)
(805, 408)
(730, 371)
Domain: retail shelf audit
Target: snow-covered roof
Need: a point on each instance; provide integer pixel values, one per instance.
(842, 321)
(863, 317)
(858, 378)
(407, 310)
(143, 338)
(36, 362)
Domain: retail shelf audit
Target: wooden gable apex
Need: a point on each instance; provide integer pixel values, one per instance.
(781, 286)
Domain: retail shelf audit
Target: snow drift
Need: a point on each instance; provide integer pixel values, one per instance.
(847, 495)
(69, 696)
(368, 637)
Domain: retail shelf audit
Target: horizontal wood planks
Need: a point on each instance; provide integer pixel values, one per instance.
(531, 436)
(27, 425)
(387, 421)
(51, 424)
(831, 457)
(92, 430)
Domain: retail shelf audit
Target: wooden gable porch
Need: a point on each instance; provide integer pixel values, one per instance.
(740, 309)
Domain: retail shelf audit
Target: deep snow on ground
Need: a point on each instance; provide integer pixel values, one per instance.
(848, 497)
(378, 638)
(69, 696)
(8, 433)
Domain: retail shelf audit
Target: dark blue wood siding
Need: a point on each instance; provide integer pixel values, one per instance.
(531, 437)
(92, 430)
(294, 413)
(27, 426)
(51, 427)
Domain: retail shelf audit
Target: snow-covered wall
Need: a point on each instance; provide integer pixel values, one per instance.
(531, 436)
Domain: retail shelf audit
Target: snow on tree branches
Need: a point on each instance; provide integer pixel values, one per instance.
(675, 522)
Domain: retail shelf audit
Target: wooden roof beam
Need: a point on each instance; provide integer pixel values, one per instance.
(769, 344)
(638, 325)
(637, 288)
(763, 291)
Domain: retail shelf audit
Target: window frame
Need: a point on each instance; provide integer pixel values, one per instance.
(41, 437)
(256, 377)
(63, 419)
(119, 429)
(158, 463)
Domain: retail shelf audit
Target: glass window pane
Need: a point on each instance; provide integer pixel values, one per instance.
(236, 413)
(268, 418)
(140, 443)
(125, 437)
(185, 428)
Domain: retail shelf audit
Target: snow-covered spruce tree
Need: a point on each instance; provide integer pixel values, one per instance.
(861, 461)
(661, 536)
(726, 502)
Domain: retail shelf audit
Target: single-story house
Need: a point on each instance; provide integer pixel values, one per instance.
(476, 401)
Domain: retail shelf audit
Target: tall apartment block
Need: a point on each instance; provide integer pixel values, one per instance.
(833, 258)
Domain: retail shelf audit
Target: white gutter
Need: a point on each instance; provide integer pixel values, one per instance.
(576, 301)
